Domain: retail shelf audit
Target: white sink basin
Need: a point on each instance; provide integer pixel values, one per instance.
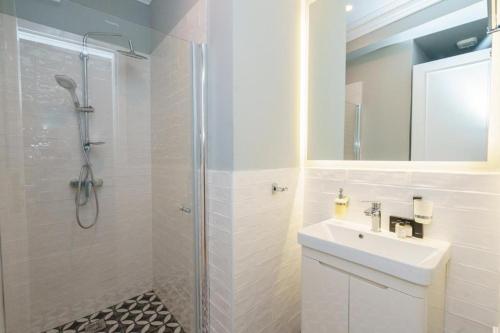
(410, 259)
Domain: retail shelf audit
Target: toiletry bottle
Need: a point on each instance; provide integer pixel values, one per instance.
(341, 204)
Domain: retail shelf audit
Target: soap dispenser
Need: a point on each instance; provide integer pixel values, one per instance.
(341, 204)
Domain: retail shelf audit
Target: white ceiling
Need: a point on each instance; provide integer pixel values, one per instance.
(366, 9)
(147, 2)
(369, 15)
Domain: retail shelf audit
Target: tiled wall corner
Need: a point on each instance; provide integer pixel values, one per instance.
(266, 252)
(220, 250)
(466, 213)
(254, 254)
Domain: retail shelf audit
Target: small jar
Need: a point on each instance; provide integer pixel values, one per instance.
(401, 230)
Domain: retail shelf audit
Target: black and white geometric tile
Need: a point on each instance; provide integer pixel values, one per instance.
(145, 313)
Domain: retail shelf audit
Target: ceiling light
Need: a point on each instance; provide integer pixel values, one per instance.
(348, 8)
(467, 43)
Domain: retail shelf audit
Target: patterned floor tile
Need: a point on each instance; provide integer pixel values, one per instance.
(80, 325)
(172, 327)
(141, 314)
(144, 314)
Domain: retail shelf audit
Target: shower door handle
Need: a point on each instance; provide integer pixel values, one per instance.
(493, 25)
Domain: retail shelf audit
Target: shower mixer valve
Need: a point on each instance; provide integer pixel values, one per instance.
(97, 183)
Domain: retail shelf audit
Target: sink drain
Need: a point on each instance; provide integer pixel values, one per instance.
(95, 326)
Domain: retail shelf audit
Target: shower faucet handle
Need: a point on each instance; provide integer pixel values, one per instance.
(87, 109)
(185, 210)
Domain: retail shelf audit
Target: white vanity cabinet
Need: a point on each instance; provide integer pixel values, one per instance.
(325, 298)
(339, 296)
(377, 308)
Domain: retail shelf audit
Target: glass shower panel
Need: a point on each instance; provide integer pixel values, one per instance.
(352, 131)
(172, 172)
(138, 171)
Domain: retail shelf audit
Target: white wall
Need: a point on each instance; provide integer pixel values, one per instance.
(466, 213)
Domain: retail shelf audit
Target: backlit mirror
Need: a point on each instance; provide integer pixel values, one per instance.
(398, 80)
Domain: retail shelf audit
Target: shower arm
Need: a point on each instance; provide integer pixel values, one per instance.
(98, 34)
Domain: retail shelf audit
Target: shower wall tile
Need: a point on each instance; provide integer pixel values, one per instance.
(171, 174)
(54, 271)
(220, 250)
(466, 213)
(12, 209)
(266, 254)
(254, 255)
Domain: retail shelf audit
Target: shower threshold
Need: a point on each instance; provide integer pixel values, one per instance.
(141, 314)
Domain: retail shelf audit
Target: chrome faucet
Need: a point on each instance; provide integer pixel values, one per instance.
(375, 211)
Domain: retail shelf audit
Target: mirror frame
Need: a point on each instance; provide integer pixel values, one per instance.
(493, 158)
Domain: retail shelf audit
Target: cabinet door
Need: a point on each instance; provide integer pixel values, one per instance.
(325, 298)
(374, 308)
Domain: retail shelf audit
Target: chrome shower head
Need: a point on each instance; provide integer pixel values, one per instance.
(131, 52)
(70, 85)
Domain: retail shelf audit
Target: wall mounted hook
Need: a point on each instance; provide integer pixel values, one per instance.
(276, 188)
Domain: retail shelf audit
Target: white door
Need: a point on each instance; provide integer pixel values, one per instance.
(451, 107)
(374, 308)
(325, 298)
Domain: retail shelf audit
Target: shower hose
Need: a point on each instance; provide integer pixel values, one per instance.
(86, 179)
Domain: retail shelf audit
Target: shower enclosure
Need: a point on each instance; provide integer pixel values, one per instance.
(102, 170)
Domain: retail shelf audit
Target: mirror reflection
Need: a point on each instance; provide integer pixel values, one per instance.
(398, 80)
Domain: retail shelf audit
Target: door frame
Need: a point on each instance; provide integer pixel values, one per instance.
(419, 95)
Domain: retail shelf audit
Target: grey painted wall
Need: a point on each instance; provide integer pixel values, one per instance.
(266, 51)
(129, 10)
(7, 7)
(165, 14)
(254, 87)
(387, 78)
(95, 15)
(220, 85)
(145, 25)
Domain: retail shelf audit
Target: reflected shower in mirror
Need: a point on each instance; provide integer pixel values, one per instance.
(398, 83)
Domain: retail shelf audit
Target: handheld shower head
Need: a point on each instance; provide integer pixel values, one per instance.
(69, 84)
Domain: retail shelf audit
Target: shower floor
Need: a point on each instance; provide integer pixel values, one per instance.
(141, 314)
